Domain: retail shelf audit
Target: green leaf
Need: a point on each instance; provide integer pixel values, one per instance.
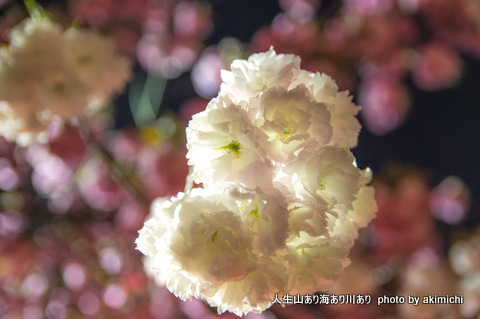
(145, 97)
(35, 10)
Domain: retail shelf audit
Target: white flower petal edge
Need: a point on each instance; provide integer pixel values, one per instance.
(282, 198)
(214, 244)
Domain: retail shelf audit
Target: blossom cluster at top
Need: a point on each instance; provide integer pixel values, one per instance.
(282, 199)
(47, 71)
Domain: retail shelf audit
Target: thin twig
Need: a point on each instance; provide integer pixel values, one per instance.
(130, 184)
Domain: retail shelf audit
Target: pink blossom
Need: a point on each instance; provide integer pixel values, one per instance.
(206, 73)
(438, 67)
(385, 103)
(450, 200)
(300, 10)
(169, 44)
(456, 22)
(69, 146)
(286, 35)
(404, 223)
(97, 187)
(163, 170)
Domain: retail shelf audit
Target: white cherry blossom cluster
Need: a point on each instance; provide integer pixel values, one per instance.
(47, 71)
(282, 199)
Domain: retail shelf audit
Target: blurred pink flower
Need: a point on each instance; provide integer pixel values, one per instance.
(161, 166)
(385, 103)
(93, 12)
(300, 10)
(206, 73)
(166, 55)
(287, 36)
(163, 169)
(172, 36)
(450, 200)
(424, 276)
(69, 146)
(404, 223)
(376, 37)
(368, 6)
(54, 179)
(454, 22)
(97, 187)
(9, 179)
(438, 66)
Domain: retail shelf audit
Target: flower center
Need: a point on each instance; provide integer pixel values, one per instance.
(214, 236)
(234, 146)
(322, 185)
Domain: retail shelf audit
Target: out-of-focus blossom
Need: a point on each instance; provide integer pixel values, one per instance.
(300, 10)
(47, 74)
(465, 260)
(97, 187)
(403, 198)
(206, 75)
(53, 178)
(437, 66)
(385, 104)
(450, 200)
(8, 176)
(163, 169)
(172, 35)
(121, 20)
(456, 24)
(165, 37)
(428, 275)
(359, 279)
(160, 165)
(69, 146)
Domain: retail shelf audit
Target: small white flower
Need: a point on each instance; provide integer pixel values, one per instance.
(363, 210)
(292, 121)
(265, 215)
(342, 110)
(260, 72)
(203, 239)
(329, 174)
(314, 264)
(223, 144)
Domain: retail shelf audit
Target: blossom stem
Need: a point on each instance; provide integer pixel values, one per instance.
(125, 180)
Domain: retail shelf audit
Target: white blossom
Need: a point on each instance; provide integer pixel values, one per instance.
(342, 110)
(282, 198)
(292, 121)
(198, 246)
(223, 144)
(266, 70)
(96, 63)
(260, 72)
(48, 72)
